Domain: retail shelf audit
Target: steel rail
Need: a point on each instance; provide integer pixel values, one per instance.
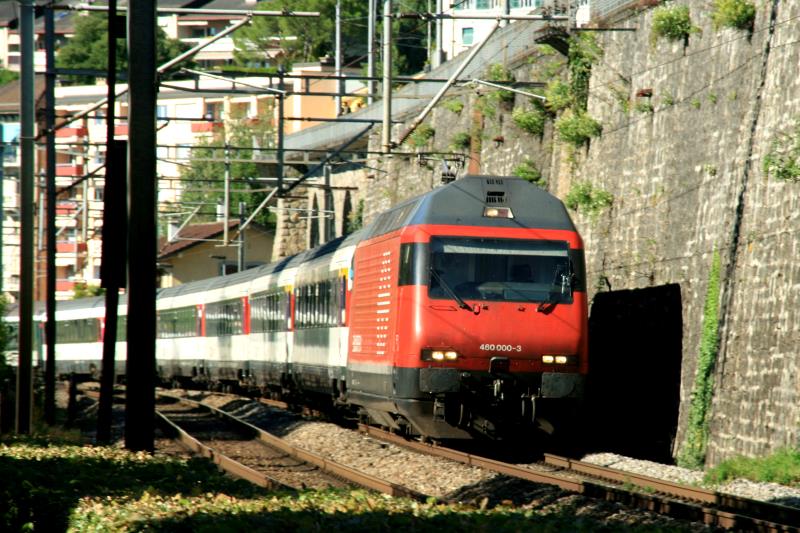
(326, 465)
(756, 509)
(669, 503)
(224, 462)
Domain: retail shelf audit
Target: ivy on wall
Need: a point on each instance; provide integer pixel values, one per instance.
(693, 452)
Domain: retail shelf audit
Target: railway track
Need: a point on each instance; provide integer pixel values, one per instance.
(664, 497)
(290, 462)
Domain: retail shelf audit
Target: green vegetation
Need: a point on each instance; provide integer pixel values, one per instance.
(420, 136)
(782, 467)
(558, 95)
(583, 53)
(588, 199)
(672, 22)
(356, 219)
(528, 171)
(529, 120)
(695, 103)
(454, 105)
(577, 128)
(498, 73)
(644, 106)
(7, 76)
(88, 48)
(460, 141)
(57, 487)
(84, 290)
(693, 451)
(712, 97)
(308, 39)
(782, 161)
(736, 14)
(668, 99)
(203, 178)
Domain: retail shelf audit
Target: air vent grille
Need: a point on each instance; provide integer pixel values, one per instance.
(495, 197)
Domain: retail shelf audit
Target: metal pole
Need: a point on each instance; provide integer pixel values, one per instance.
(113, 172)
(226, 201)
(453, 77)
(279, 149)
(27, 271)
(386, 134)
(50, 292)
(338, 59)
(141, 368)
(437, 60)
(371, 86)
(2, 206)
(429, 48)
(240, 261)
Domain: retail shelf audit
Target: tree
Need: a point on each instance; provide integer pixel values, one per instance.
(88, 48)
(7, 76)
(203, 179)
(275, 41)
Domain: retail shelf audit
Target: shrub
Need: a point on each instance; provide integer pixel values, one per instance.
(559, 95)
(782, 161)
(577, 128)
(421, 135)
(453, 105)
(498, 73)
(644, 106)
(586, 198)
(460, 141)
(583, 53)
(736, 14)
(693, 452)
(672, 22)
(530, 120)
(528, 171)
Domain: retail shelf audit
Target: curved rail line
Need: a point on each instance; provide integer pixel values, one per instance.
(325, 465)
(664, 497)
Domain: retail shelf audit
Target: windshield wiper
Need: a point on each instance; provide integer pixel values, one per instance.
(450, 292)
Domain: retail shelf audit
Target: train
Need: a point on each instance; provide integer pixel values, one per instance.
(458, 314)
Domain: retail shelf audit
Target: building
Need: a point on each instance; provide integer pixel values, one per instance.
(198, 251)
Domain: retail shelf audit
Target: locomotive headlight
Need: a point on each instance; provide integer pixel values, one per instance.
(558, 359)
(498, 212)
(439, 355)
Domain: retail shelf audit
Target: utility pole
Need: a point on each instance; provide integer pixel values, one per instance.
(141, 367)
(27, 272)
(437, 56)
(50, 176)
(338, 59)
(279, 149)
(371, 85)
(112, 267)
(386, 140)
(240, 258)
(2, 200)
(226, 201)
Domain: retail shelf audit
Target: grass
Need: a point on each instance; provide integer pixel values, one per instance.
(60, 487)
(782, 467)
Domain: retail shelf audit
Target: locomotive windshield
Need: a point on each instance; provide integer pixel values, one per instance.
(500, 270)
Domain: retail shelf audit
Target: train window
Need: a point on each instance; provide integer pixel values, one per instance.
(320, 304)
(179, 322)
(79, 330)
(268, 311)
(122, 328)
(225, 318)
(414, 263)
(501, 270)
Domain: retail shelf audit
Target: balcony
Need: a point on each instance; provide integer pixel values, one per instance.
(69, 170)
(206, 127)
(66, 208)
(78, 132)
(120, 130)
(70, 247)
(65, 285)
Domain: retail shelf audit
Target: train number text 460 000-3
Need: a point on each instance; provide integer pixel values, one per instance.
(501, 348)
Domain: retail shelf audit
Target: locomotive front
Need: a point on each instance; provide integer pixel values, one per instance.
(492, 316)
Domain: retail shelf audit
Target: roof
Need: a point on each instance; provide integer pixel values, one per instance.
(195, 234)
(9, 95)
